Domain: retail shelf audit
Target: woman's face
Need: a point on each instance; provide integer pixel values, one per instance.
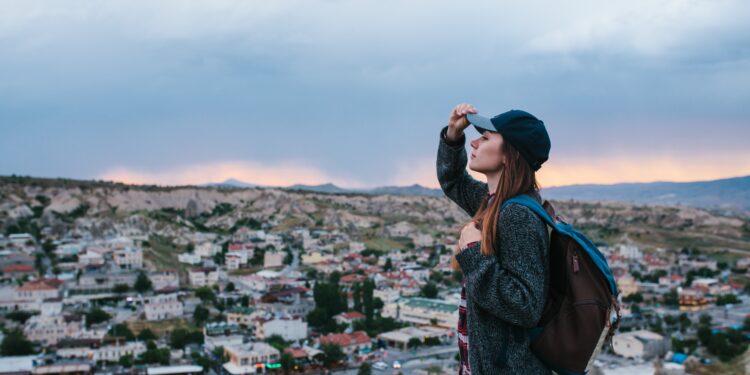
(486, 153)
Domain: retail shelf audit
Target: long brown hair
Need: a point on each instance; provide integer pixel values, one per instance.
(517, 177)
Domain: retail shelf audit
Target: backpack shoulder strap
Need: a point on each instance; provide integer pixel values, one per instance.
(532, 204)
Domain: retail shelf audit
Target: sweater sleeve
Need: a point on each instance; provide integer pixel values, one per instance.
(456, 182)
(512, 284)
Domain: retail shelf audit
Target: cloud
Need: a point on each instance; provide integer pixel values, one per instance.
(265, 79)
(280, 174)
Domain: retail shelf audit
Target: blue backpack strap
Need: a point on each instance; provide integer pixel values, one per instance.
(568, 230)
(532, 204)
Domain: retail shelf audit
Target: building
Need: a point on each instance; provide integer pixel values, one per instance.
(240, 315)
(175, 370)
(39, 290)
(165, 280)
(425, 311)
(350, 343)
(129, 258)
(189, 258)
(273, 259)
(348, 318)
(640, 344)
(289, 329)
(49, 330)
(250, 358)
(221, 334)
(315, 257)
(400, 338)
(21, 239)
(203, 276)
(163, 306)
(236, 259)
(400, 229)
(207, 250)
(113, 353)
(627, 285)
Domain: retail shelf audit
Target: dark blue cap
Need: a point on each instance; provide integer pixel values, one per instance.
(521, 129)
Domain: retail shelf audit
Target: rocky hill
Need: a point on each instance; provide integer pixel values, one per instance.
(104, 208)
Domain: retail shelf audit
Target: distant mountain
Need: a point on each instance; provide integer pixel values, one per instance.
(230, 184)
(407, 190)
(324, 188)
(730, 195)
(394, 190)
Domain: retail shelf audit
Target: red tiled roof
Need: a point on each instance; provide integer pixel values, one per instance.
(40, 284)
(346, 339)
(353, 278)
(352, 315)
(297, 353)
(18, 268)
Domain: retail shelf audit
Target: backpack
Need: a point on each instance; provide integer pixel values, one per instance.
(578, 314)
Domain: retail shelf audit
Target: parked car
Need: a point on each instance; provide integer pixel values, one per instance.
(380, 366)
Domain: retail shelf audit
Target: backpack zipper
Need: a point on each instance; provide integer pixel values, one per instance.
(575, 263)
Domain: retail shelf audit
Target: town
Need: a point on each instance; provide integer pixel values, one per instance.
(197, 290)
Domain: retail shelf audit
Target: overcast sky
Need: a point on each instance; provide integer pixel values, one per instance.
(356, 92)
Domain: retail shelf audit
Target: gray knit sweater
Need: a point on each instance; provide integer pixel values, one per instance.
(505, 292)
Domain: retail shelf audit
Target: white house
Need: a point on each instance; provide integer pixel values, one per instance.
(189, 258)
(273, 259)
(128, 257)
(244, 358)
(203, 276)
(163, 306)
(640, 344)
(419, 310)
(289, 329)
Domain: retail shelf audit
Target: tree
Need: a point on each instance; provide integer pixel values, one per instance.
(19, 316)
(635, 297)
(48, 246)
(142, 283)
(671, 298)
(727, 299)
(414, 343)
(41, 268)
(126, 361)
(430, 290)
(120, 289)
(121, 330)
(146, 335)
(15, 343)
(154, 354)
(333, 354)
(96, 316)
(277, 342)
(179, 338)
(365, 369)
(357, 297)
(230, 287)
(206, 294)
(704, 334)
(287, 362)
(388, 265)
(201, 314)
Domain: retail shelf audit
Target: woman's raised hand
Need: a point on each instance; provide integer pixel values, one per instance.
(469, 234)
(457, 121)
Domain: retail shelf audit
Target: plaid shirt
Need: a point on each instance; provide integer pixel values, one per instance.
(462, 329)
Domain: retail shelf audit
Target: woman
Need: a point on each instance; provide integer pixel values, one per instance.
(502, 254)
